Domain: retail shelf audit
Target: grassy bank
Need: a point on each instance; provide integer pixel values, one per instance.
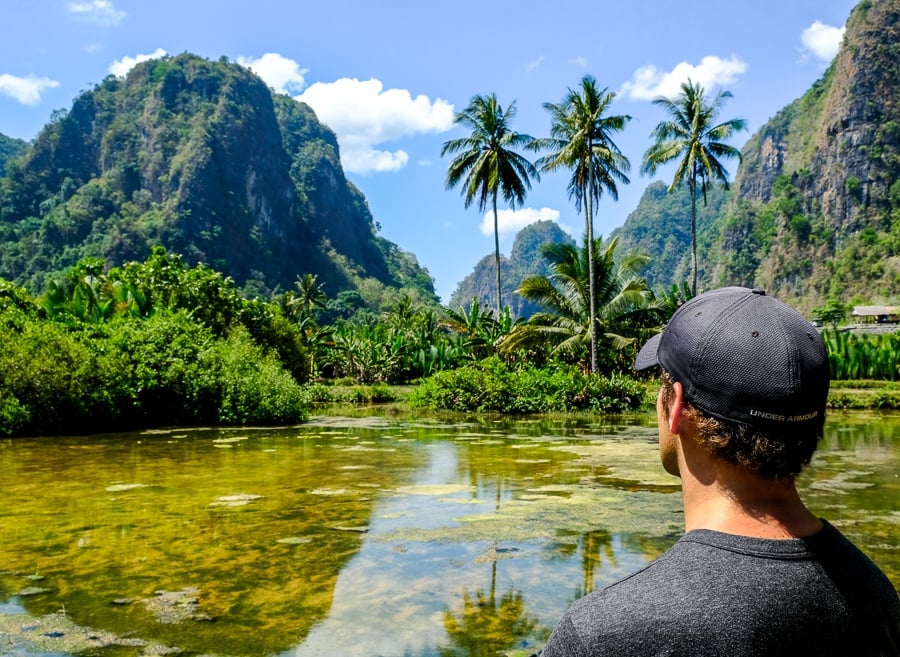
(864, 394)
(844, 395)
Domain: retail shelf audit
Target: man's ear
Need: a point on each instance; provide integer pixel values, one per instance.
(676, 408)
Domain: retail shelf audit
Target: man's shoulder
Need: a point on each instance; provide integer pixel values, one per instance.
(799, 588)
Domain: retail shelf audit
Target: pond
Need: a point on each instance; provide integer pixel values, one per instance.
(362, 536)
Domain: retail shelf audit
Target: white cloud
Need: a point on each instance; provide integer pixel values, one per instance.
(580, 62)
(532, 65)
(26, 90)
(648, 82)
(282, 74)
(102, 12)
(120, 67)
(364, 115)
(512, 221)
(822, 41)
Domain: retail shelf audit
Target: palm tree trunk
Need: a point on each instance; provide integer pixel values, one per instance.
(693, 186)
(592, 312)
(497, 258)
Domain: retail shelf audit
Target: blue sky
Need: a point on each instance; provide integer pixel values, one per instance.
(388, 77)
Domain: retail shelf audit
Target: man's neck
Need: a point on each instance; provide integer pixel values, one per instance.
(725, 498)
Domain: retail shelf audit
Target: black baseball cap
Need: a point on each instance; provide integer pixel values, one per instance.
(743, 356)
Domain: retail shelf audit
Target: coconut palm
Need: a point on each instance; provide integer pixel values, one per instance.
(487, 163)
(626, 309)
(581, 141)
(309, 295)
(693, 138)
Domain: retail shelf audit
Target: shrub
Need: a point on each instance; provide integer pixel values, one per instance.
(492, 387)
(253, 386)
(163, 370)
(14, 416)
(152, 372)
(886, 400)
(42, 380)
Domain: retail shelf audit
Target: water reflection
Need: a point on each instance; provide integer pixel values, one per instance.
(365, 536)
(485, 626)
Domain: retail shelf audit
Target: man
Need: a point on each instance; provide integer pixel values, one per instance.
(740, 411)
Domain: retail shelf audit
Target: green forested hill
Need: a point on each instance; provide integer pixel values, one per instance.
(201, 158)
(661, 227)
(10, 148)
(814, 212)
(525, 260)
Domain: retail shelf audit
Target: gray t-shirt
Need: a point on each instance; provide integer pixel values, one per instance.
(715, 594)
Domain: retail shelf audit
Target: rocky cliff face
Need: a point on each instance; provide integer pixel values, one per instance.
(857, 142)
(816, 197)
(814, 212)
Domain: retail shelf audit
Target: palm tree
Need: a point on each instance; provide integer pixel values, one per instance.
(626, 309)
(487, 163)
(581, 140)
(692, 137)
(302, 304)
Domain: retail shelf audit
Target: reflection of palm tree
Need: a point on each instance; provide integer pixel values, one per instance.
(593, 546)
(485, 627)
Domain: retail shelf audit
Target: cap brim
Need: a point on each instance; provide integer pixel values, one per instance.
(647, 357)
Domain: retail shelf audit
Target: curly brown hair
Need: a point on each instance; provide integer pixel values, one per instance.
(766, 452)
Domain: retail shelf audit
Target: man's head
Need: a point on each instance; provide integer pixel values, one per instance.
(756, 372)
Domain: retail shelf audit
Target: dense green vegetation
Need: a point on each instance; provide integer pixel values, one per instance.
(149, 344)
(491, 385)
(159, 343)
(861, 356)
(10, 148)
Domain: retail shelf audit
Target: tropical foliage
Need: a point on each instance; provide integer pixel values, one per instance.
(860, 356)
(626, 312)
(491, 385)
(479, 330)
(150, 344)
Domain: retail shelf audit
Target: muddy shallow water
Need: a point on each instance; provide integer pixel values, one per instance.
(362, 536)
